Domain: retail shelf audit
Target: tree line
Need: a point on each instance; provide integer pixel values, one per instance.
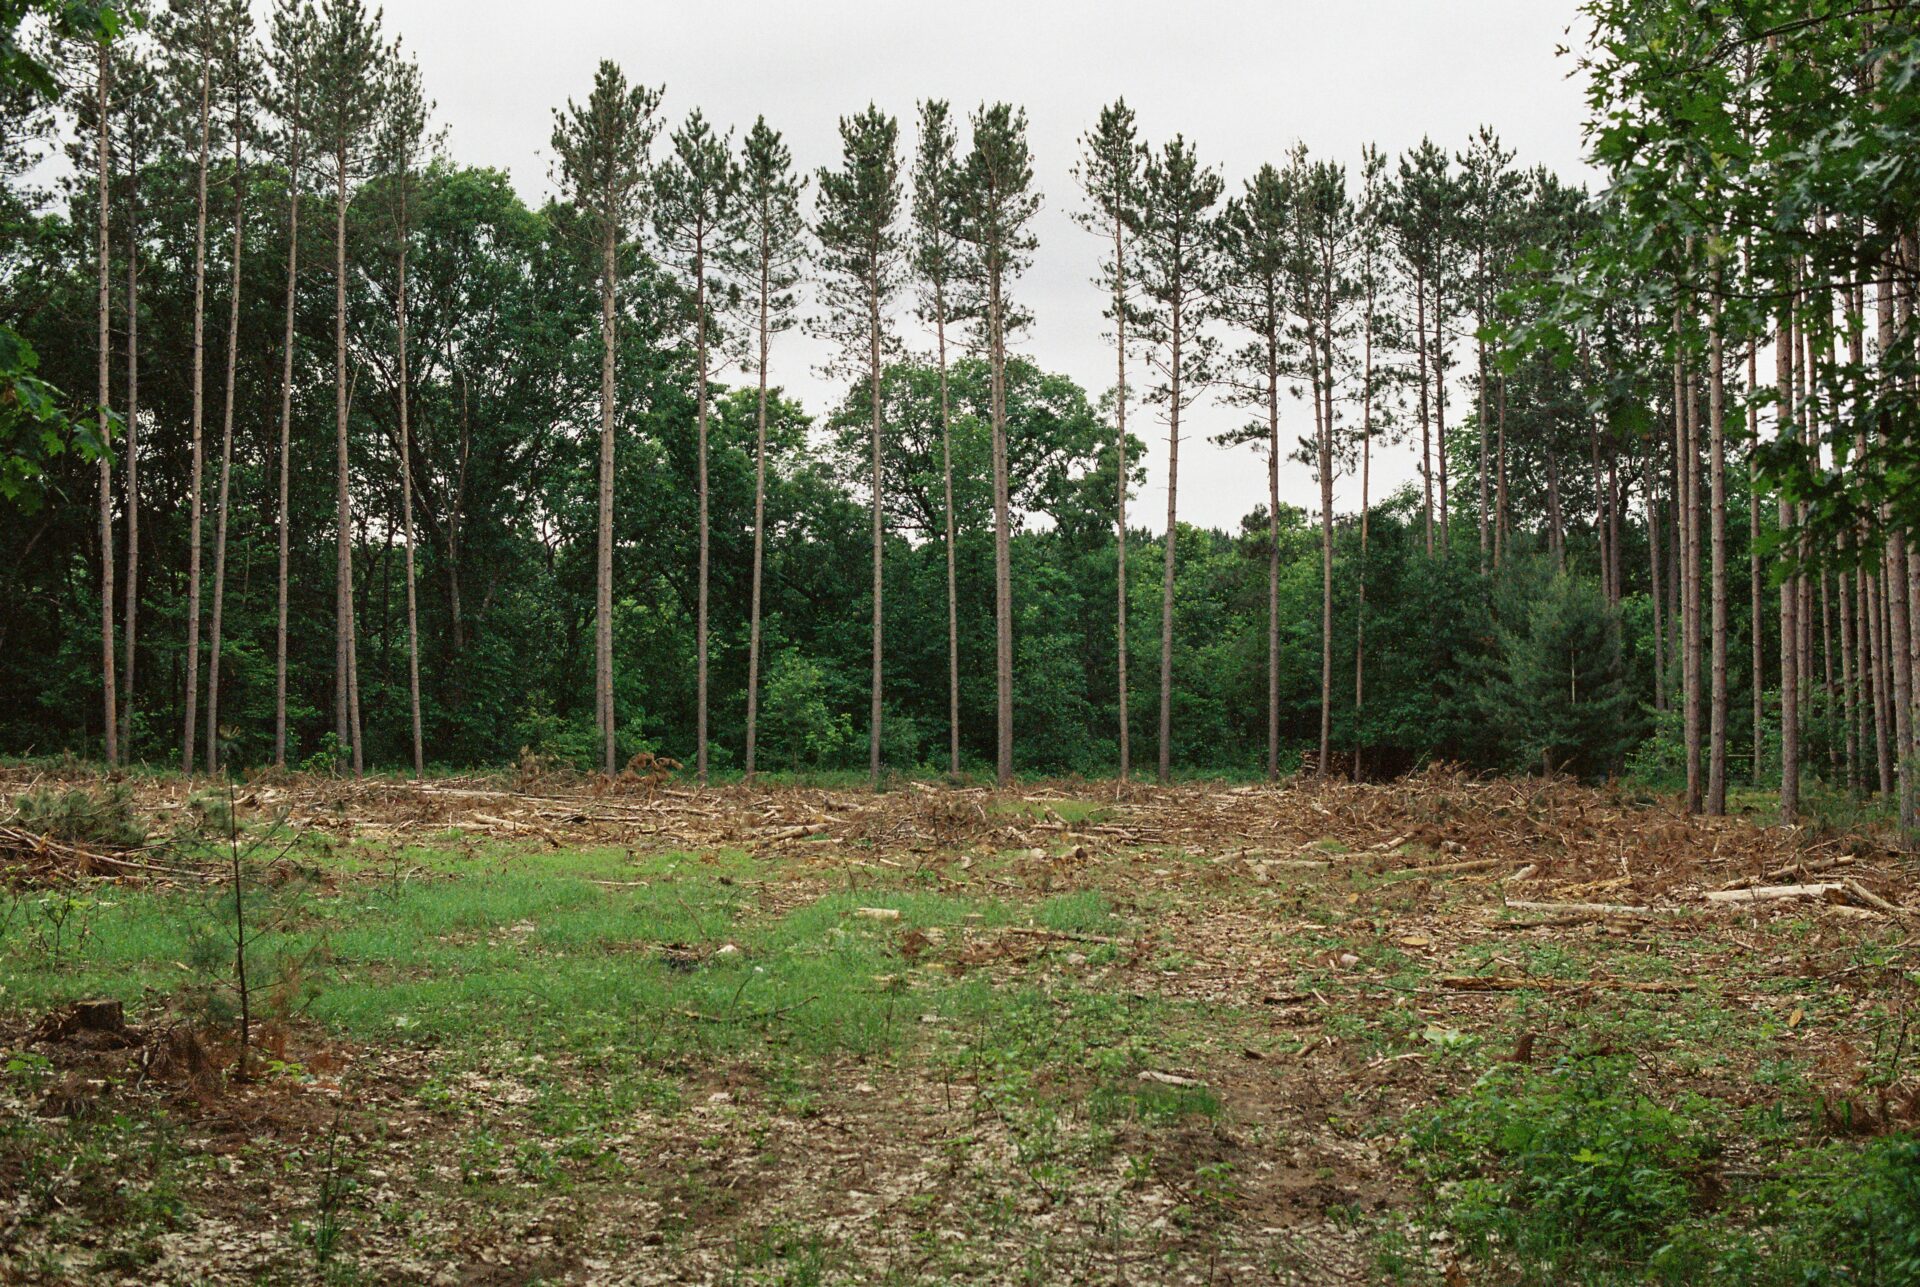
(465, 356)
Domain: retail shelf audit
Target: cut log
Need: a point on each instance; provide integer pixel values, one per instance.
(1820, 891)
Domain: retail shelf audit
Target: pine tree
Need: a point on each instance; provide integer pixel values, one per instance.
(1257, 252)
(290, 57)
(765, 249)
(693, 205)
(403, 126)
(349, 51)
(103, 203)
(1109, 172)
(996, 204)
(862, 252)
(1370, 233)
(239, 69)
(137, 107)
(1177, 271)
(603, 153)
(1320, 294)
(936, 265)
(189, 34)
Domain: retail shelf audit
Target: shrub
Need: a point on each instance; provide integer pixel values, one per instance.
(1568, 1166)
(103, 818)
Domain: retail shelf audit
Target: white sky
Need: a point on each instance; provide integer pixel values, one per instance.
(1243, 79)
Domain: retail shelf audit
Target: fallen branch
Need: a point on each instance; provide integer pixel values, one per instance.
(1494, 983)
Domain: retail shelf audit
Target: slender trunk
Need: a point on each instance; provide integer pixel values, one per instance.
(1502, 520)
(1439, 354)
(109, 683)
(192, 676)
(1877, 652)
(406, 483)
(1556, 532)
(603, 608)
(706, 542)
(1426, 435)
(1325, 417)
(1851, 722)
(1120, 506)
(1273, 549)
(454, 524)
(953, 564)
(1360, 576)
(1653, 567)
(346, 653)
(1899, 643)
(1716, 429)
(286, 439)
(1166, 575)
(226, 456)
(1002, 523)
(132, 591)
(1789, 592)
(1686, 459)
(1480, 358)
(879, 528)
(765, 327)
(1756, 613)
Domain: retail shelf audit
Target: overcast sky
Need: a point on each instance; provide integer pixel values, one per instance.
(1242, 79)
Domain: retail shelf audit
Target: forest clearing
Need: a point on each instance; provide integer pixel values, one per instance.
(543, 1028)
(757, 643)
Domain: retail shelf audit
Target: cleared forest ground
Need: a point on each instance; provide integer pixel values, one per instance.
(526, 1030)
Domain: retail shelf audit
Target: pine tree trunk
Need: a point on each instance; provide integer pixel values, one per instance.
(1789, 593)
(346, 653)
(1653, 568)
(109, 683)
(1502, 525)
(1899, 644)
(1426, 430)
(226, 463)
(406, 485)
(953, 565)
(1166, 575)
(1486, 499)
(1849, 688)
(1756, 615)
(706, 543)
(1273, 554)
(1002, 521)
(1325, 417)
(1716, 429)
(1440, 416)
(879, 530)
(603, 614)
(199, 413)
(133, 454)
(760, 509)
(1686, 458)
(286, 441)
(1877, 652)
(1556, 532)
(1360, 575)
(1120, 507)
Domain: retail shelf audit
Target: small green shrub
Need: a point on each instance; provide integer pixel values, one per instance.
(1570, 1165)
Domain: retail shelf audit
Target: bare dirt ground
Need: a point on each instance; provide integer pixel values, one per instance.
(1089, 1033)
